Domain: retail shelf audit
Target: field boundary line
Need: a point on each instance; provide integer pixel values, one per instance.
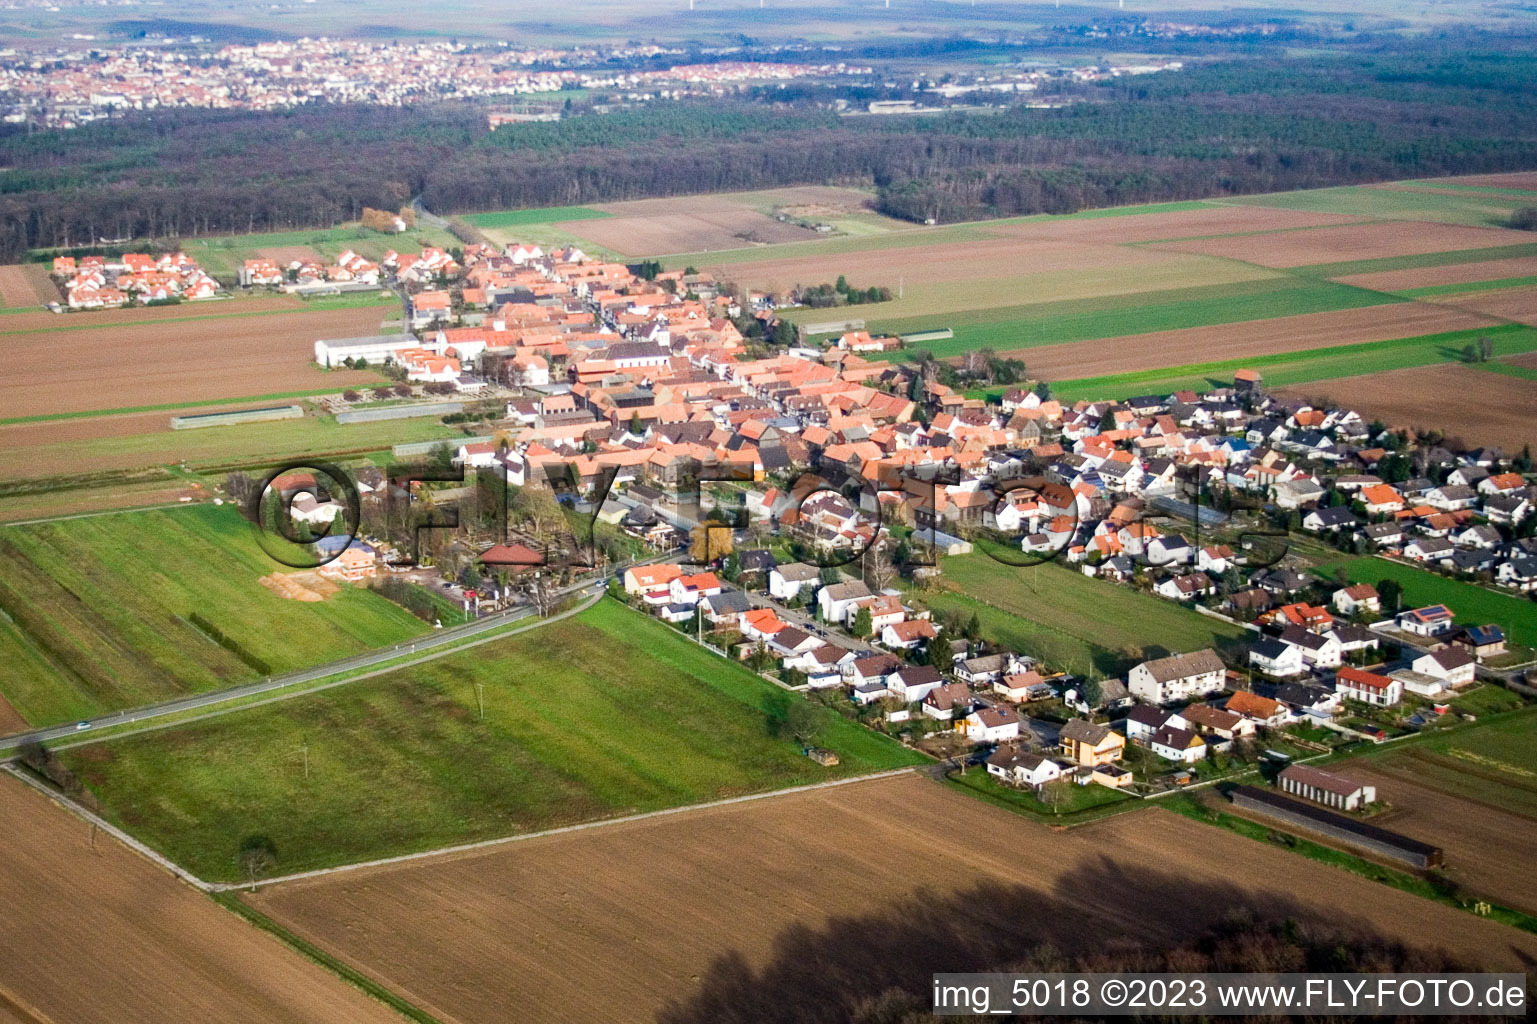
(485, 844)
(80, 811)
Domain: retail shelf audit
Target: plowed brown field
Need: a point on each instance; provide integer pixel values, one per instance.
(26, 284)
(1231, 341)
(1488, 850)
(1526, 180)
(104, 935)
(1456, 273)
(1351, 242)
(134, 364)
(1518, 304)
(611, 923)
(650, 227)
(1476, 406)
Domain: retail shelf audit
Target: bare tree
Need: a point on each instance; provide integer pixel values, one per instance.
(257, 856)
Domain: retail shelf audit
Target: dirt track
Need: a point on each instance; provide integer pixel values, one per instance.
(172, 361)
(1354, 242)
(610, 924)
(104, 935)
(1477, 406)
(1233, 341)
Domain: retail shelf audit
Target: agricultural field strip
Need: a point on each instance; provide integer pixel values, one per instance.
(321, 677)
(584, 826)
(111, 325)
(1393, 354)
(1126, 316)
(172, 406)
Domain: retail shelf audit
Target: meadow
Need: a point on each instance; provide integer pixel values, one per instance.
(1430, 201)
(1052, 323)
(1069, 621)
(604, 714)
(113, 611)
(1473, 605)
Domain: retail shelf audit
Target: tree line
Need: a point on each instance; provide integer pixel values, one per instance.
(1229, 127)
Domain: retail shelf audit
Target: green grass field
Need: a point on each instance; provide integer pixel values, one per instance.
(544, 215)
(1292, 368)
(1473, 605)
(1069, 621)
(604, 714)
(1468, 287)
(1051, 323)
(242, 444)
(1494, 764)
(98, 612)
(1418, 261)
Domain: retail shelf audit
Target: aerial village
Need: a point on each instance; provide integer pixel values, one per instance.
(793, 506)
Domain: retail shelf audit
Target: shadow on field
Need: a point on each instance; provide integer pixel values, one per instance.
(876, 968)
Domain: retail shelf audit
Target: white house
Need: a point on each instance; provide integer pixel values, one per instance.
(1368, 687)
(1359, 598)
(1274, 658)
(786, 581)
(1178, 677)
(992, 725)
(1175, 744)
(1021, 768)
(914, 682)
(1453, 665)
(834, 600)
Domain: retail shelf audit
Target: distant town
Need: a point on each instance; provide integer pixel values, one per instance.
(66, 87)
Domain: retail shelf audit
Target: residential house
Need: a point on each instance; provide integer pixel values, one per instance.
(1175, 744)
(787, 581)
(1209, 720)
(992, 724)
(1481, 641)
(1024, 686)
(1022, 768)
(1432, 620)
(905, 636)
(913, 683)
(1453, 665)
(1265, 711)
(835, 599)
(1143, 720)
(1085, 743)
(1361, 598)
(1178, 677)
(943, 701)
(1368, 687)
(1274, 658)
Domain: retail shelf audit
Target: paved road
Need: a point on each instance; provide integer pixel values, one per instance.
(444, 640)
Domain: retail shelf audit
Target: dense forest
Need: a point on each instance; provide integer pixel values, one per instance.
(1227, 127)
